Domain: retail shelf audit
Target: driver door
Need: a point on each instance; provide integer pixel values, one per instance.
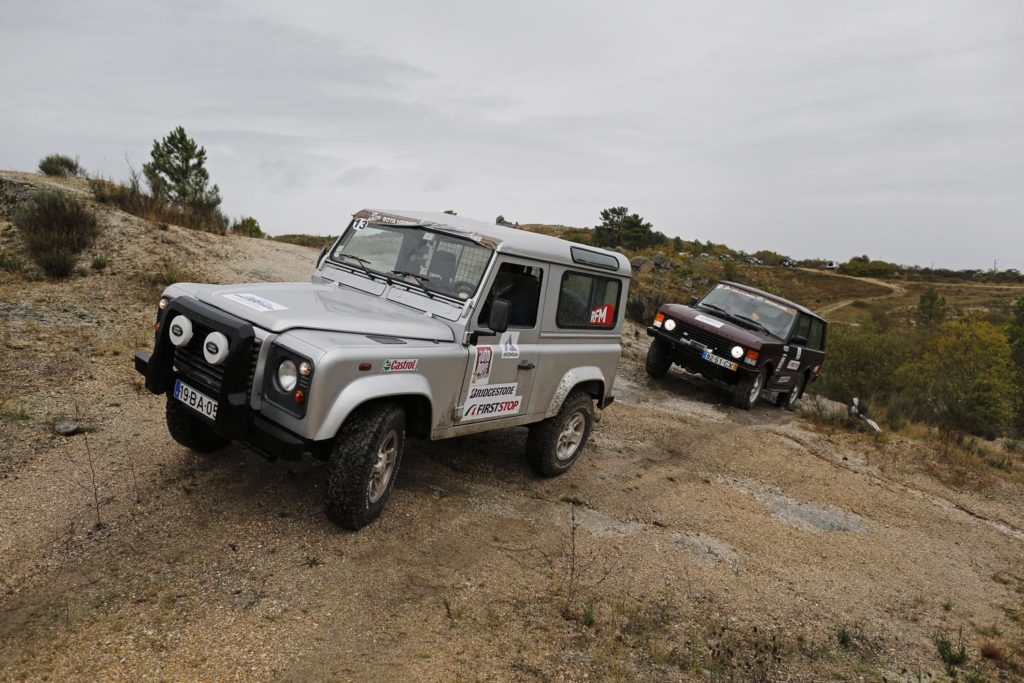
(502, 367)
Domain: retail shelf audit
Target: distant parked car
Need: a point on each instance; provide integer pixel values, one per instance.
(726, 257)
(745, 338)
(788, 263)
(831, 265)
(754, 261)
(705, 254)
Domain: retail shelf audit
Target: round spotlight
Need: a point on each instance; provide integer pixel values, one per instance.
(215, 348)
(162, 304)
(287, 375)
(737, 352)
(670, 324)
(305, 369)
(180, 331)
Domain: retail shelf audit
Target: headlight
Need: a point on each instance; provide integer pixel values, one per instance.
(162, 304)
(670, 324)
(305, 369)
(737, 351)
(287, 375)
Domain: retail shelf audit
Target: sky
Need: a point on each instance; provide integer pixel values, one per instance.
(817, 128)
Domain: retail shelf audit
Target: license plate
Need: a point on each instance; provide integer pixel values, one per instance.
(197, 401)
(721, 362)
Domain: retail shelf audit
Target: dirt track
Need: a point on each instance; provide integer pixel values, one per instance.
(709, 542)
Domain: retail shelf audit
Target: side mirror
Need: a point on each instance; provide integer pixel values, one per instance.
(798, 340)
(320, 258)
(693, 300)
(500, 310)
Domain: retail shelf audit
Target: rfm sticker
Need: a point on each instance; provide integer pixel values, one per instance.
(603, 315)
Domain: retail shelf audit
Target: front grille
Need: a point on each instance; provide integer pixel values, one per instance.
(190, 361)
(712, 341)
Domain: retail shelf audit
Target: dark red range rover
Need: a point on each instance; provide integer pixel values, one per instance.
(751, 340)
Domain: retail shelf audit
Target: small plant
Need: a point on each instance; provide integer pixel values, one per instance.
(992, 650)
(56, 228)
(166, 273)
(247, 227)
(11, 263)
(60, 165)
(447, 608)
(99, 262)
(588, 619)
(844, 637)
(947, 606)
(951, 656)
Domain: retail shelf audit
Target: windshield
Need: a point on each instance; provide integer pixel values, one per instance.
(753, 309)
(439, 263)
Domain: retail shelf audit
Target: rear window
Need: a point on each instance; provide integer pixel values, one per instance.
(588, 301)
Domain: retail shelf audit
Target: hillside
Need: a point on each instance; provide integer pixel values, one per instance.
(691, 542)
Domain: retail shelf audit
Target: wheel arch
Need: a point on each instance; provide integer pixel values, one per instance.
(411, 391)
(587, 378)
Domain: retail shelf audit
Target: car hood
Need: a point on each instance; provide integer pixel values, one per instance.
(720, 326)
(285, 306)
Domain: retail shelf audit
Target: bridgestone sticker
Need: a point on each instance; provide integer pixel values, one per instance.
(709, 321)
(495, 400)
(257, 303)
(399, 365)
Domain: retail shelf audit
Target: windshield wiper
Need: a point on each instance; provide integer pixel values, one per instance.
(420, 279)
(714, 307)
(740, 316)
(361, 261)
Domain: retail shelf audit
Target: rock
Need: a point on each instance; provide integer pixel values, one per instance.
(819, 405)
(659, 258)
(642, 264)
(67, 428)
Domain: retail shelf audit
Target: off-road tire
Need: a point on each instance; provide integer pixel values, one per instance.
(788, 399)
(352, 460)
(542, 445)
(190, 430)
(744, 395)
(658, 359)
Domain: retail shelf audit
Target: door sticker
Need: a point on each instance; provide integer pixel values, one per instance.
(496, 400)
(603, 315)
(399, 365)
(510, 345)
(482, 366)
(793, 365)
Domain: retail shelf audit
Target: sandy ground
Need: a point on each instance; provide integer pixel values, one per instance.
(692, 541)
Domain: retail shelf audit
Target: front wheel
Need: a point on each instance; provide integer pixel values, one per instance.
(190, 430)
(555, 443)
(658, 360)
(364, 463)
(748, 390)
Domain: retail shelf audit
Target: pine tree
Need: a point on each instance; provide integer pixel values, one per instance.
(177, 173)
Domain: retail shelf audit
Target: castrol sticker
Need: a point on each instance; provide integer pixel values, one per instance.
(493, 400)
(603, 315)
(399, 365)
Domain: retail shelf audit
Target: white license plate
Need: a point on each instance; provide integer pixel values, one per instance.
(197, 401)
(721, 362)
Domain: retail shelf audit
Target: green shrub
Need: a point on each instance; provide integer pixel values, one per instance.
(964, 378)
(11, 263)
(863, 361)
(56, 228)
(248, 227)
(314, 241)
(60, 165)
(99, 262)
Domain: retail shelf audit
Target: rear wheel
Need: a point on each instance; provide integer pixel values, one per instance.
(555, 443)
(364, 463)
(658, 360)
(190, 430)
(788, 400)
(748, 390)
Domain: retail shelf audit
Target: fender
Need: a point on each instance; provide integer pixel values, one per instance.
(367, 389)
(586, 373)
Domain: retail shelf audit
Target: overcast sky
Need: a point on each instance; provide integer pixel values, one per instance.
(813, 128)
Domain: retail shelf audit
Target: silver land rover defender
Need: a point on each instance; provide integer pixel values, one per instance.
(413, 324)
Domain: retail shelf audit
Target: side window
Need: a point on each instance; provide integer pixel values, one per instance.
(588, 301)
(816, 339)
(803, 328)
(520, 285)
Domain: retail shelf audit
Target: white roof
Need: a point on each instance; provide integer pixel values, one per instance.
(502, 239)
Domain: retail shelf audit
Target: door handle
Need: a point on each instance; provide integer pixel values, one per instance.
(526, 365)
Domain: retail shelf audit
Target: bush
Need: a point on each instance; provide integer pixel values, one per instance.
(314, 241)
(964, 378)
(99, 262)
(130, 198)
(60, 165)
(248, 227)
(863, 362)
(11, 263)
(56, 228)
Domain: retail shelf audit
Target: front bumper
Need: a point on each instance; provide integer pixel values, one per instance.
(687, 353)
(232, 389)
